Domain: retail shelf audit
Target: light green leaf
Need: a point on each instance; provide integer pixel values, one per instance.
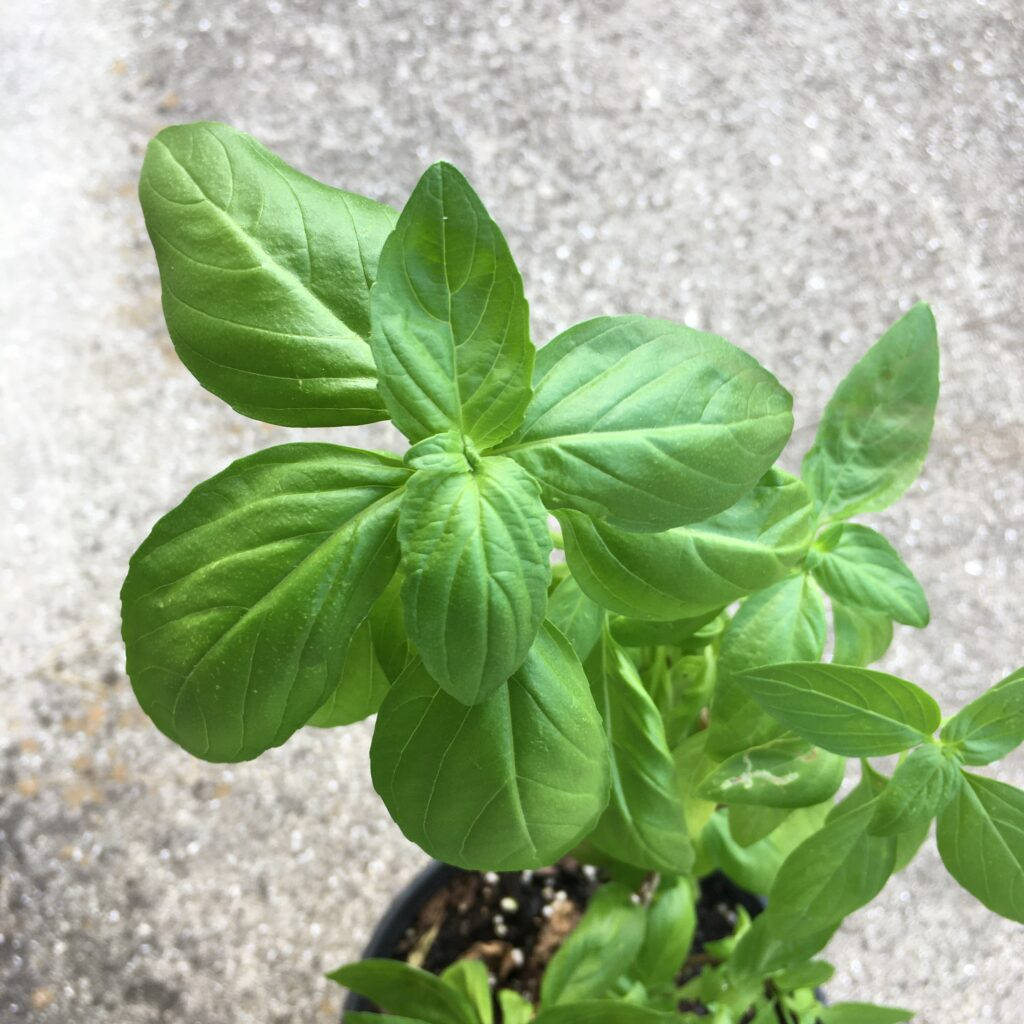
(604, 1011)
(644, 823)
(475, 553)
(862, 636)
(875, 432)
(669, 931)
(785, 622)
(361, 687)
(470, 978)
(693, 633)
(981, 841)
(784, 772)
(451, 332)
(807, 975)
(863, 1013)
(856, 712)
(749, 823)
(266, 276)
(918, 790)
(574, 614)
(859, 567)
(372, 1017)
(600, 949)
(239, 606)
(473, 785)
(396, 986)
(991, 726)
(514, 1008)
(691, 570)
(648, 424)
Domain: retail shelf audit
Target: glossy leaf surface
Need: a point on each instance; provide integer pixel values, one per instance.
(991, 726)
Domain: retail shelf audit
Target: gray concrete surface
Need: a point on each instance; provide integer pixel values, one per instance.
(791, 174)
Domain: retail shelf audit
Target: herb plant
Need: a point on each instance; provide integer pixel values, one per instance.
(656, 700)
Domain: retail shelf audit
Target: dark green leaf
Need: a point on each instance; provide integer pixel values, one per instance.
(361, 687)
(862, 636)
(470, 978)
(473, 786)
(266, 276)
(668, 936)
(451, 332)
(575, 615)
(859, 567)
(604, 1011)
(648, 424)
(372, 1017)
(875, 432)
(856, 712)
(601, 948)
(239, 606)
(918, 790)
(909, 843)
(981, 840)
(863, 1013)
(991, 726)
(475, 553)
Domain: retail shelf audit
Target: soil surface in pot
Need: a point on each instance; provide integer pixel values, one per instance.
(515, 922)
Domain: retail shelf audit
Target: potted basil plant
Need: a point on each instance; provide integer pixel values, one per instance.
(632, 704)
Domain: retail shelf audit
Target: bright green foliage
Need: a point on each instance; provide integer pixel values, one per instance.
(863, 1013)
(475, 549)
(470, 978)
(875, 432)
(648, 424)
(574, 614)
(266, 276)
(472, 785)
(671, 924)
(603, 1011)
(918, 790)
(991, 726)
(700, 630)
(362, 685)
(862, 636)
(691, 570)
(514, 1008)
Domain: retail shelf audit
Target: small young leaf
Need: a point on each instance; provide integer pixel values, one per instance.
(668, 935)
(875, 432)
(475, 553)
(991, 726)
(573, 613)
(644, 822)
(470, 978)
(396, 986)
(601, 948)
(451, 333)
(514, 1008)
(859, 567)
(239, 607)
(784, 772)
(863, 1013)
(648, 424)
(856, 712)
(473, 785)
(918, 790)
(266, 276)
(701, 630)
(692, 570)
(981, 841)
(749, 823)
(862, 636)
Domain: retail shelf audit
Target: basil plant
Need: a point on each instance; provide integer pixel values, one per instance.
(643, 685)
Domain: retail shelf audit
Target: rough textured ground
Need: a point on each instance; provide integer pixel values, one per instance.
(792, 174)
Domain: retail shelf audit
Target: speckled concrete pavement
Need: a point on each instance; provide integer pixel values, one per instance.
(791, 174)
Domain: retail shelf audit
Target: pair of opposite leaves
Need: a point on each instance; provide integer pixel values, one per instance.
(239, 607)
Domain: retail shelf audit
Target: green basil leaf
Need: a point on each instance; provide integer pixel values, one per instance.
(514, 1008)
(644, 823)
(981, 841)
(693, 633)
(875, 432)
(397, 986)
(919, 789)
(863, 1013)
(470, 978)
(691, 570)
(473, 785)
(670, 927)
(909, 843)
(604, 1011)
(372, 1017)
(574, 614)
(862, 636)
(451, 332)
(856, 712)
(991, 726)
(807, 975)
(648, 424)
(749, 823)
(600, 949)
(362, 685)
(266, 276)
(859, 567)
(239, 606)
(784, 772)
(475, 553)
(785, 622)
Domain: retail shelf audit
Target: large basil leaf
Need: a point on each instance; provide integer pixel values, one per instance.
(473, 786)
(862, 636)
(266, 276)
(397, 986)
(475, 553)
(856, 712)
(875, 432)
(691, 570)
(451, 333)
(599, 950)
(784, 622)
(648, 424)
(859, 567)
(991, 726)
(981, 841)
(644, 824)
(239, 606)
(919, 789)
